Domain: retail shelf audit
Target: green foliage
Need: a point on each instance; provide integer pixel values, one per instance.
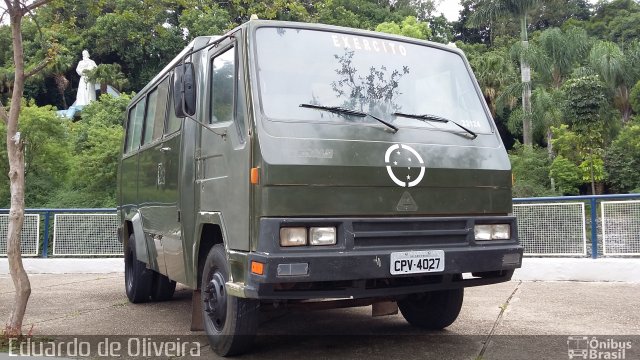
(593, 162)
(634, 97)
(622, 160)
(565, 142)
(108, 74)
(566, 175)
(530, 167)
(584, 99)
(362, 14)
(46, 154)
(69, 164)
(205, 19)
(615, 20)
(96, 140)
(109, 110)
(409, 27)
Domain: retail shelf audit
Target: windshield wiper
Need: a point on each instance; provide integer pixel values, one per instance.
(344, 111)
(430, 117)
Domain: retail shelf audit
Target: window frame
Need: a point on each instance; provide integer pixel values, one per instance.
(146, 112)
(128, 134)
(231, 45)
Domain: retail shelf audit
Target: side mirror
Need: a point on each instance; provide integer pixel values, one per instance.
(184, 90)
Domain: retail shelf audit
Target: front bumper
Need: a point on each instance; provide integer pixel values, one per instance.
(358, 266)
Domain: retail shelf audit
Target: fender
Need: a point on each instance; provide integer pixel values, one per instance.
(142, 245)
(215, 218)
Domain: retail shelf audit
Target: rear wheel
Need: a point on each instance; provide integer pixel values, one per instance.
(136, 275)
(434, 310)
(231, 323)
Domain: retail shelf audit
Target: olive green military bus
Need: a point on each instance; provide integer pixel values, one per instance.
(283, 164)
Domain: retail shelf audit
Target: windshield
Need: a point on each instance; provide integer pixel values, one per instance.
(366, 74)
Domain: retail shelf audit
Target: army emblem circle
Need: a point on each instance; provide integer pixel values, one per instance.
(408, 155)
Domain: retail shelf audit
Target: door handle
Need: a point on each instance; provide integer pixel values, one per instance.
(164, 149)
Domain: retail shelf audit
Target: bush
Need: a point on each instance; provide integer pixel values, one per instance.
(566, 175)
(530, 168)
(622, 160)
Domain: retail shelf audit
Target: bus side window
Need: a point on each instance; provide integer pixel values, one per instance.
(134, 130)
(156, 111)
(222, 86)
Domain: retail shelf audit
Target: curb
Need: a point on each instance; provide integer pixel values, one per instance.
(533, 269)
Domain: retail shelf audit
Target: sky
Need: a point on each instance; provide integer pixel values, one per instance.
(450, 9)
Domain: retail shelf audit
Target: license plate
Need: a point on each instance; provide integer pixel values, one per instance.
(415, 262)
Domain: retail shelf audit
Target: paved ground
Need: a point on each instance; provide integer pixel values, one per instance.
(503, 321)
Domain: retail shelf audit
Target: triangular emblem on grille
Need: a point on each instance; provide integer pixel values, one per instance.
(406, 203)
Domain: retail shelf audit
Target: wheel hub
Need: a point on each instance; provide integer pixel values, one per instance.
(215, 300)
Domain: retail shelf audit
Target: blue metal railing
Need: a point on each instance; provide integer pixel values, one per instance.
(46, 213)
(593, 201)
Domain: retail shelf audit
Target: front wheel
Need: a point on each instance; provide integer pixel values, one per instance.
(231, 323)
(434, 310)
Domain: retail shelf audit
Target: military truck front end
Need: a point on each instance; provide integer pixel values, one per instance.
(349, 207)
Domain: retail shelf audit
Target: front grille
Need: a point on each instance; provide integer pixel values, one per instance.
(426, 232)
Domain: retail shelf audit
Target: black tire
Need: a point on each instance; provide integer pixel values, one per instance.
(162, 288)
(231, 323)
(434, 310)
(137, 278)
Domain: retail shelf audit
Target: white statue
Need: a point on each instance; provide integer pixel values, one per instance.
(86, 89)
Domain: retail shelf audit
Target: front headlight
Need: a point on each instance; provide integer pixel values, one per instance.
(492, 232)
(293, 236)
(322, 236)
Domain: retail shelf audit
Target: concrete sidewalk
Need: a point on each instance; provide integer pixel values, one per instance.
(533, 269)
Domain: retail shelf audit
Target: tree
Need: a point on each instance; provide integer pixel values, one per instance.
(494, 72)
(465, 32)
(618, 70)
(622, 160)
(615, 20)
(518, 9)
(410, 27)
(585, 100)
(530, 166)
(62, 63)
(559, 51)
(107, 74)
(17, 10)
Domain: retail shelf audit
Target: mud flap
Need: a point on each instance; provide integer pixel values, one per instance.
(384, 308)
(196, 312)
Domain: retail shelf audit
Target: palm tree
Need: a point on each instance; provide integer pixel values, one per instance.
(495, 73)
(492, 9)
(108, 74)
(619, 70)
(61, 64)
(558, 52)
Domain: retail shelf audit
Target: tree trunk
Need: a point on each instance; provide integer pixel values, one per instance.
(626, 106)
(16, 177)
(525, 73)
(62, 83)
